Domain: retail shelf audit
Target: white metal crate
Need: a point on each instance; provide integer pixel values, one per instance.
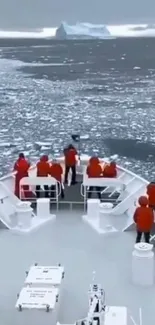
(46, 276)
(38, 306)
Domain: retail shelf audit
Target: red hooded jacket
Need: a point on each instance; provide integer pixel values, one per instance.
(94, 159)
(110, 170)
(56, 171)
(43, 167)
(70, 157)
(143, 216)
(151, 194)
(94, 169)
(21, 166)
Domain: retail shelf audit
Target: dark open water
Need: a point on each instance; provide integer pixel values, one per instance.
(105, 89)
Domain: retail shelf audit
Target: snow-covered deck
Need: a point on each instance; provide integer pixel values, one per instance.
(81, 251)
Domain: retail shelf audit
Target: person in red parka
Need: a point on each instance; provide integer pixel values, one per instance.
(110, 170)
(151, 195)
(70, 154)
(94, 170)
(94, 159)
(43, 170)
(56, 171)
(144, 219)
(21, 167)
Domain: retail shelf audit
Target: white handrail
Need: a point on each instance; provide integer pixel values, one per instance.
(41, 181)
(38, 181)
(119, 177)
(101, 182)
(126, 184)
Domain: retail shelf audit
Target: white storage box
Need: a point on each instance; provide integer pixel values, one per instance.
(93, 209)
(40, 304)
(115, 315)
(43, 208)
(45, 276)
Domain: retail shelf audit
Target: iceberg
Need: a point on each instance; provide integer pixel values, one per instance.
(82, 31)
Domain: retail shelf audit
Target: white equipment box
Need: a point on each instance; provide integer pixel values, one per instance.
(46, 276)
(40, 305)
(115, 315)
(37, 298)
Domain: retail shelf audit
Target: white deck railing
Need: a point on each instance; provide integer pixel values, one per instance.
(103, 182)
(117, 183)
(40, 181)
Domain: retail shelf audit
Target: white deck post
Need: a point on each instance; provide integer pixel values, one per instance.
(43, 207)
(93, 208)
(103, 221)
(143, 264)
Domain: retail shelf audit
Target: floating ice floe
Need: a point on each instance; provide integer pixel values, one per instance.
(114, 157)
(137, 68)
(7, 153)
(45, 148)
(84, 137)
(45, 119)
(127, 163)
(7, 144)
(41, 145)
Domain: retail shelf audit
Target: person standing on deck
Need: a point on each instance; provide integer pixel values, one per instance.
(56, 171)
(70, 154)
(144, 218)
(21, 167)
(151, 195)
(94, 170)
(43, 170)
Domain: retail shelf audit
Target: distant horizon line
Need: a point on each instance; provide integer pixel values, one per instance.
(40, 28)
(119, 30)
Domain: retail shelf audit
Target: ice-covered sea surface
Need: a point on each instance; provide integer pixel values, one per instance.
(105, 89)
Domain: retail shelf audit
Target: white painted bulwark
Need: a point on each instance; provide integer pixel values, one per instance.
(46, 276)
(93, 208)
(115, 315)
(43, 207)
(24, 214)
(143, 264)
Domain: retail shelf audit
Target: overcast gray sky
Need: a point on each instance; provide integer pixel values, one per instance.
(49, 13)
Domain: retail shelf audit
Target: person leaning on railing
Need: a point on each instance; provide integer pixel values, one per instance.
(56, 172)
(43, 170)
(94, 170)
(21, 168)
(110, 170)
